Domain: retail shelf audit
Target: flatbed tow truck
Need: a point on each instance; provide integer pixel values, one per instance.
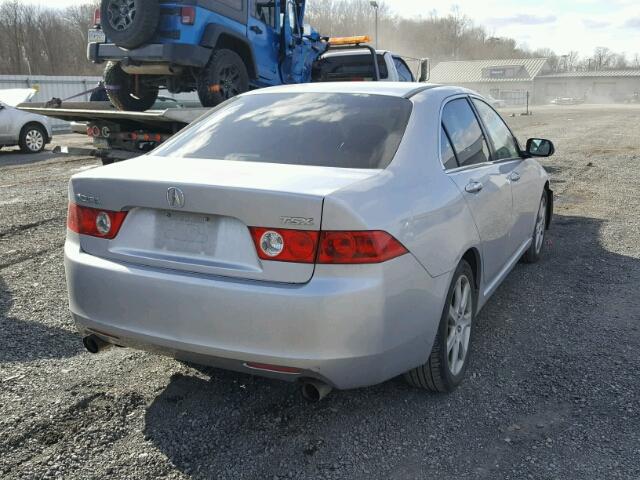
(119, 135)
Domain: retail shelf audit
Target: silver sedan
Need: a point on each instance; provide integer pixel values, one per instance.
(334, 234)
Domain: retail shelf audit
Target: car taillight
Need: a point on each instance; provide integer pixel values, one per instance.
(328, 247)
(358, 247)
(94, 221)
(97, 17)
(285, 245)
(188, 15)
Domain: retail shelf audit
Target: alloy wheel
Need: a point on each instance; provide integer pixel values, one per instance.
(459, 324)
(541, 223)
(34, 140)
(229, 81)
(121, 13)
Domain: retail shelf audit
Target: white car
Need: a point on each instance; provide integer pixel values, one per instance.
(357, 64)
(28, 130)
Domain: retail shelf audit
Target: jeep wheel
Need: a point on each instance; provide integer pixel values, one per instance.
(225, 76)
(129, 23)
(125, 93)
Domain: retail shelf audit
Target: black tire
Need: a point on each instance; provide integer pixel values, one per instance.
(33, 138)
(121, 90)
(129, 23)
(437, 374)
(534, 252)
(224, 77)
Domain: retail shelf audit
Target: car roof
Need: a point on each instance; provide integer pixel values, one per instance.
(391, 89)
(355, 51)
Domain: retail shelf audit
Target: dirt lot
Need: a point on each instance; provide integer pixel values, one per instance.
(552, 391)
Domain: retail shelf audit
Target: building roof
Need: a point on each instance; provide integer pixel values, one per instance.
(473, 71)
(599, 73)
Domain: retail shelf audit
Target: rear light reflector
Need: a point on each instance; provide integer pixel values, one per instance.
(285, 245)
(358, 247)
(94, 221)
(272, 368)
(97, 20)
(328, 247)
(188, 15)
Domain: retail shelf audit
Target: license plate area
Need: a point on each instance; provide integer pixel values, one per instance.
(96, 36)
(186, 233)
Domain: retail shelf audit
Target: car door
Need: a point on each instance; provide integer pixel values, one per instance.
(522, 173)
(483, 183)
(6, 123)
(263, 36)
(404, 73)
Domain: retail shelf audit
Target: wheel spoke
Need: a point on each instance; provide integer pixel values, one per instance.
(451, 339)
(462, 352)
(457, 295)
(465, 298)
(454, 357)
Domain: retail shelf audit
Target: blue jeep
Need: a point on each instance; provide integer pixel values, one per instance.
(219, 48)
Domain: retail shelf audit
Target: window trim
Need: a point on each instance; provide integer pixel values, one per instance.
(463, 167)
(252, 14)
(486, 131)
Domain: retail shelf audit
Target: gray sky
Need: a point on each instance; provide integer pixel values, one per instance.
(562, 25)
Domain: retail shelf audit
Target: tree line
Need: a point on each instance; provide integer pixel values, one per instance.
(49, 41)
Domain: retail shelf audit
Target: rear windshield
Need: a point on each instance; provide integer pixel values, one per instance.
(337, 68)
(323, 129)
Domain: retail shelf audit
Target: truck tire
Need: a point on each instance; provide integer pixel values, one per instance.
(121, 90)
(33, 138)
(225, 76)
(129, 23)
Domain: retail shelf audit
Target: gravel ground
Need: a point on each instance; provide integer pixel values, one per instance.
(552, 391)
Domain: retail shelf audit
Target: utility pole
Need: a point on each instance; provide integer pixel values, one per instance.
(374, 4)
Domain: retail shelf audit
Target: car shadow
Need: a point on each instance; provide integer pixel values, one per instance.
(216, 424)
(22, 341)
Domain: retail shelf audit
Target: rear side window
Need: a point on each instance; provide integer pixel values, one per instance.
(504, 145)
(348, 67)
(465, 133)
(323, 129)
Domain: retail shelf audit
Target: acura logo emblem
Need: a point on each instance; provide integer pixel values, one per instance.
(175, 197)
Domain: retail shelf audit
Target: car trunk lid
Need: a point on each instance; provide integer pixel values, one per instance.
(193, 215)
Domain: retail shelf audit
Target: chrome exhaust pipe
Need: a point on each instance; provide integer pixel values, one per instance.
(315, 390)
(94, 344)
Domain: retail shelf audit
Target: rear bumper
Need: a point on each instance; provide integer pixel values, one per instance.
(172, 53)
(350, 326)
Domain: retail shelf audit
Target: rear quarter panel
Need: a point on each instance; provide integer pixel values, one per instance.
(413, 199)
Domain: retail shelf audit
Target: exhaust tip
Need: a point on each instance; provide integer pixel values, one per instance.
(94, 344)
(314, 390)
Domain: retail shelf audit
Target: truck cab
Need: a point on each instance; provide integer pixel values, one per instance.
(357, 65)
(219, 48)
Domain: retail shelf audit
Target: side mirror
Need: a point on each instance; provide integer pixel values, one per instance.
(539, 147)
(425, 70)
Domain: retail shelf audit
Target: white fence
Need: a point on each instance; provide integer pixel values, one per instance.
(63, 87)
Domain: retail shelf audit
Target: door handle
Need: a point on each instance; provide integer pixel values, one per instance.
(255, 28)
(473, 187)
(514, 176)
